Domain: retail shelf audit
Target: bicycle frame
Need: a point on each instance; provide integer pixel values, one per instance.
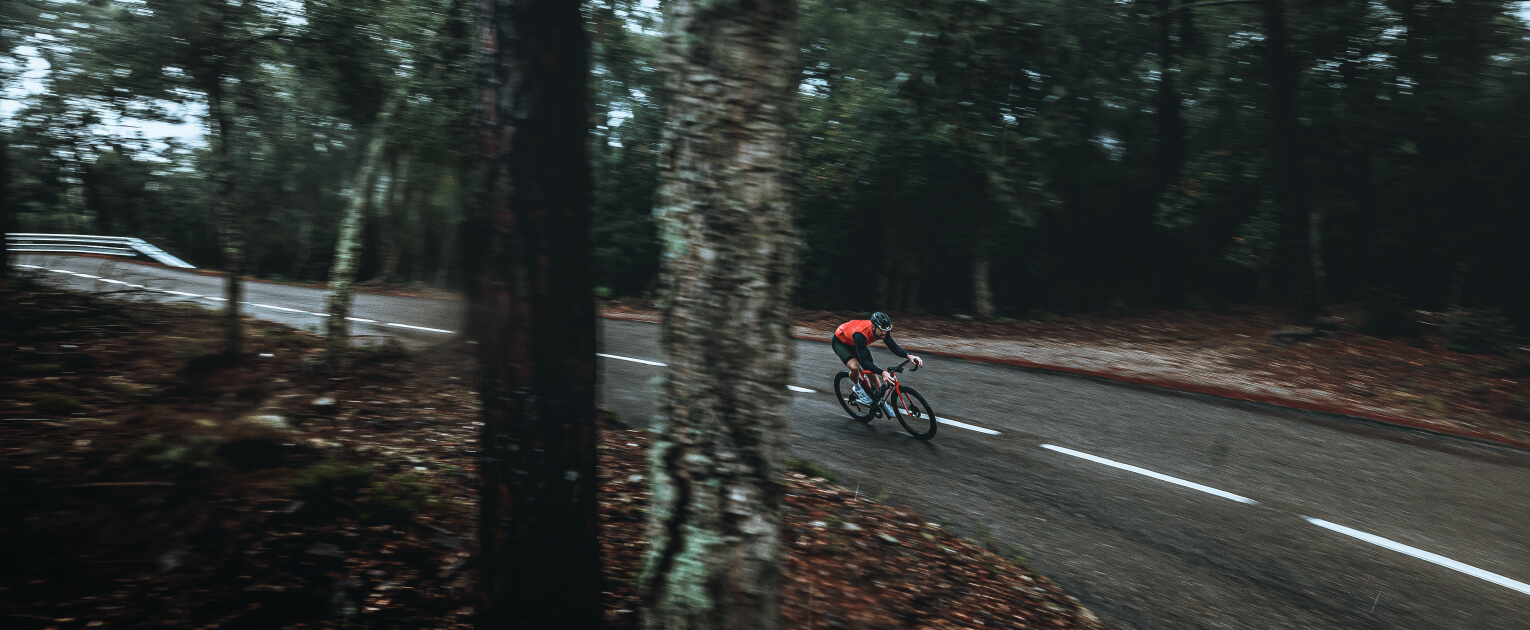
(892, 377)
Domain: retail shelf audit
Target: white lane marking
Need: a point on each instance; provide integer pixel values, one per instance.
(1148, 473)
(963, 425)
(112, 281)
(86, 275)
(1423, 555)
(362, 320)
(215, 299)
(434, 330)
(801, 389)
(28, 266)
(181, 293)
(278, 308)
(643, 361)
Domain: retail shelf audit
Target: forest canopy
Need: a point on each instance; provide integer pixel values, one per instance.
(1001, 158)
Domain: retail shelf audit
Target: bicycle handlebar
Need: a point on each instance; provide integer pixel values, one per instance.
(899, 369)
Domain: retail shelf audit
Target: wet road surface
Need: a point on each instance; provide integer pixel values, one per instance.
(1158, 510)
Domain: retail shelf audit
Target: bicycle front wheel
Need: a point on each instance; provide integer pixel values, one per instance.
(847, 398)
(915, 414)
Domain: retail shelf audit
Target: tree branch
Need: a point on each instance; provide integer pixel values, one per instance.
(1199, 5)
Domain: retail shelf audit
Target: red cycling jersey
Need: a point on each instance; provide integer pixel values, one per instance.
(846, 331)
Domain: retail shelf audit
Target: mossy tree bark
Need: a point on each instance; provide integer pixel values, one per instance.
(535, 312)
(725, 204)
(342, 274)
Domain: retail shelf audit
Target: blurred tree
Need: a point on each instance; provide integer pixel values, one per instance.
(725, 207)
(337, 344)
(536, 321)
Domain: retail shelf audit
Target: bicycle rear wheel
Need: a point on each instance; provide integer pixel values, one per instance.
(915, 414)
(848, 399)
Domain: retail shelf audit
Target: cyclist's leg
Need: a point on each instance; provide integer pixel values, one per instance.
(846, 355)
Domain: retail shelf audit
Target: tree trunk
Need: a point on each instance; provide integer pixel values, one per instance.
(7, 209)
(1171, 123)
(535, 301)
(982, 289)
(451, 227)
(342, 273)
(1290, 182)
(230, 229)
(299, 269)
(389, 215)
(725, 204)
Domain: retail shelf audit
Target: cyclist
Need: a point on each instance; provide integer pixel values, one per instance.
(850, 342)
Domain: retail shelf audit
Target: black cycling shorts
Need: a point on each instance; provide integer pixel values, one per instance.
(844, 350)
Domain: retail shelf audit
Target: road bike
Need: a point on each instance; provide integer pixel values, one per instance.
(911, 409)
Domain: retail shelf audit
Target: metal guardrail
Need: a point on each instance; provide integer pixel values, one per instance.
(87, 244)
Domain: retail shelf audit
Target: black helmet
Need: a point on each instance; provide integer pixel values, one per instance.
(882, 321)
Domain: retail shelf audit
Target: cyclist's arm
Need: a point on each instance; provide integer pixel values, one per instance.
(893, 346)
(864, 354)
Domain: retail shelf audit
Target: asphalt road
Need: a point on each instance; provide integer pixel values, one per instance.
(1158, 510)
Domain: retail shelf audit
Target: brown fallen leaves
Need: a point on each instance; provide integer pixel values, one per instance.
(143, 484)
(849, 562)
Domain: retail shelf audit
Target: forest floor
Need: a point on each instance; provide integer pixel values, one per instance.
(149, 483)
(1409, 381)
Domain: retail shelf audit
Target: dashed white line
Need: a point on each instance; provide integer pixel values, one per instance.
(183, 293)
(1148, 473)
(801, 389)
(963, 425)
(86, 275)
(279, 308)
(28, 266)
(1424, 555)
(620, 358)
(360, 319)
(434, 330)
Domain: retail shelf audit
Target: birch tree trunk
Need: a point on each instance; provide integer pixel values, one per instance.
(230, 229)
(342, 273)
(535, 306)
(725, 204)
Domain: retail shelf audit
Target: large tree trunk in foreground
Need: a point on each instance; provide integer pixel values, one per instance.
(6, 209)
(1290, 182)
(535, 305)
(230, 228)
(726, 206)
(342, 273)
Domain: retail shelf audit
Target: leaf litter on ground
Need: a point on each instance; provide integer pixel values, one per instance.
(148, 483)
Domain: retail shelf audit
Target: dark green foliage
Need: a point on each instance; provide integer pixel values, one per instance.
(395, 500)
(55, 404)
(931, 136)
(333, 489)
(330, 488)
(1387, 315)
(1486, 331)
(810, 469)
